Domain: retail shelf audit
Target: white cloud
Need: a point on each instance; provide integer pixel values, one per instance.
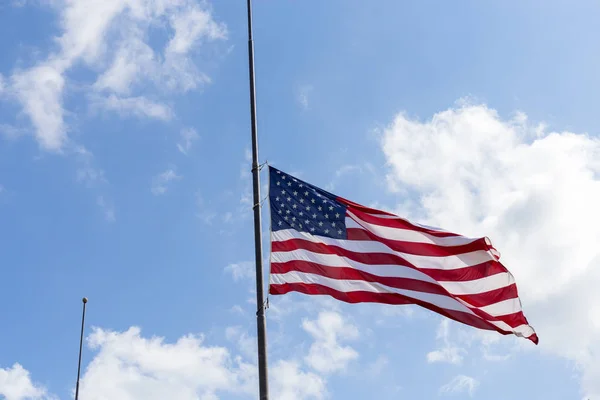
(137, 106)
(40, 92)
(242, 270)
(449, 352)
(460, 384)
(188, 136)
(326, 354)
(16, 384)
(191, 24)
(533, 192)
(161, 181)
(290, 382)
(111, 38)
(128, 366)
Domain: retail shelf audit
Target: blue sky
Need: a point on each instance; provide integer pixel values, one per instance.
(124, 177)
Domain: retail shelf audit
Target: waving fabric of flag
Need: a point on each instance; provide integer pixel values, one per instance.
(322, 244)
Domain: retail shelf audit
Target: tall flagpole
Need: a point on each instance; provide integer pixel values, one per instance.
(260, 302)
(85, 300)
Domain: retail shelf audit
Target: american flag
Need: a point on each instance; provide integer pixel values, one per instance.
(322, 244)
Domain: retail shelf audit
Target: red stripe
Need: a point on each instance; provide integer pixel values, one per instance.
(398, 223)
(422, 249)
(461, 274)
(491, 297)
(471, 273)
(384, 298)
(348, 273)
(356, 206)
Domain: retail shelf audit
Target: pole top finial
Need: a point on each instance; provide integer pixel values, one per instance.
(84, 300)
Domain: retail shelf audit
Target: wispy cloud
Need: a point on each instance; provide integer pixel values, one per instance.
(137, 106)
(188, 136)
(303, 96)
(109, 211)
(160, 182)
(460, 384)
(449, 352)
(121, 62)
(241, 270)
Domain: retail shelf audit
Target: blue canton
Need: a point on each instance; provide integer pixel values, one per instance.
(306, 208)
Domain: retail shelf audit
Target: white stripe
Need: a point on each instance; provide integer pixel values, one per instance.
(482, 285)
(521, 330)
(332, 260)
(396, 271)
(369, 246)
(503, 307)
(407, 235)
(347, 286)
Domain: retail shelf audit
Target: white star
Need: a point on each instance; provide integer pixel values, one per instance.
(327, 216)
(315, 216)
(301, 200)
(294, 179)
(279, 172)
(301, 185)
(333, 224)
(318, 194)
(289, 199)
(282, 205)
(279, 223)
(301, 213)
(324, 201)
(312, 229)
(287, 211)
(279, 211)
(286, 217)
(307, 208)
(295, 193)
(320, 208)
(300, 226)
(320, 224)
(294, 206)
(289, 183)
(283, 177)
(292, 224)
(339, 232)
(278, 183)
(294, 219)
(283, 192)
(277, 198)
(337, 215)
(306, 193)
(307, 222)
(326, 230)
(330, 208)
(312, 201)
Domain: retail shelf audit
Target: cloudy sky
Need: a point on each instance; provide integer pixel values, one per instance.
(124, 177)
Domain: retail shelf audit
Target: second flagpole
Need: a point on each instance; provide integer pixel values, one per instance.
(261, 324)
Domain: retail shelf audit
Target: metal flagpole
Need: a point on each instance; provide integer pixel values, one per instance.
(260, 302)
(85, 300)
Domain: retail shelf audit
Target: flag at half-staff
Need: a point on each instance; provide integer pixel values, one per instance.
(322, 244)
